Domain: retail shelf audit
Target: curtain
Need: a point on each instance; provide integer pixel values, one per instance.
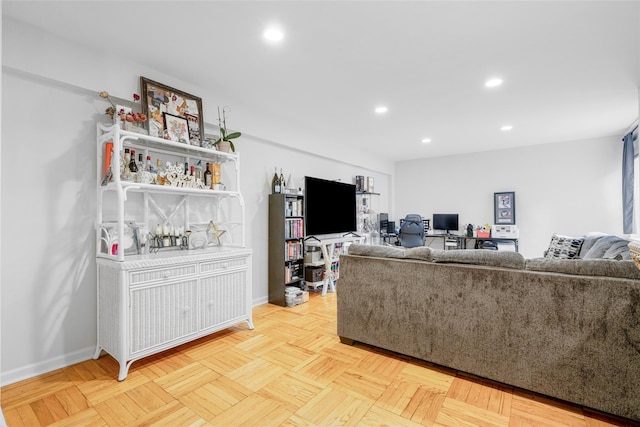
(627, 183)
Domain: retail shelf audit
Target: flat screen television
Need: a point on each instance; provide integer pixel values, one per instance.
(330, 206)
(445, 222)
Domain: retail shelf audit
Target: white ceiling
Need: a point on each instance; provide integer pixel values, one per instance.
(570, 68)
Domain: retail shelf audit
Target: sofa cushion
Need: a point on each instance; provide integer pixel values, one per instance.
(609, 247)
(503, 259)
(583, 267)
(382, 251)
(564, 247)
(423, 253)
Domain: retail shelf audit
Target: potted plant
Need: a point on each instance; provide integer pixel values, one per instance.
(224, 143)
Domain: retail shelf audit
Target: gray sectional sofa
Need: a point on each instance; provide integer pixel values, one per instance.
(566, 328)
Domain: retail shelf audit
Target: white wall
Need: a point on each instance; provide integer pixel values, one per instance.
(48, 173)
(47, 275)
(569, 188)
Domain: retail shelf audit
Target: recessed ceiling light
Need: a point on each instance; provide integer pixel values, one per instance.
(493, 82)
(381, 109)
(273, 34)
(506, 128)
(426, 140)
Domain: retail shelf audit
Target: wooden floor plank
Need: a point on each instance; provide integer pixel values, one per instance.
(291, 370)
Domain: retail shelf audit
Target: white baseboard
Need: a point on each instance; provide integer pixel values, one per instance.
(45, 366)
(3, 423)
(260, 301)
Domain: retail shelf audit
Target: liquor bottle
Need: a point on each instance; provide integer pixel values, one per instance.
(186, 168)
(125, 164)
(199, 172)
(283, 183)
(133, 167)
(147, 165)
(140, 163)
(207, 176)
(192, 171)
(158, 165)
(275, 182)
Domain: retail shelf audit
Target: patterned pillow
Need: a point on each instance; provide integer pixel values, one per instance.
(564, 247)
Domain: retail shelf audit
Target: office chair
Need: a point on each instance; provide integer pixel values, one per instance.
(411, 231)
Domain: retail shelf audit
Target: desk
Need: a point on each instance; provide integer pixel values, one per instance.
(456, 241)
(389, 238)
(328, 248)
(480, 240)
(449, 241)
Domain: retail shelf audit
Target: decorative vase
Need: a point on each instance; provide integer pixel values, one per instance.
(224, 146)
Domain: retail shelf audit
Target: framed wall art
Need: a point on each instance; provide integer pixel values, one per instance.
(177, 128)
(504, 209)
(159, 99)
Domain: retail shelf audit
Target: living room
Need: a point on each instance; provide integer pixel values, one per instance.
(568, 184)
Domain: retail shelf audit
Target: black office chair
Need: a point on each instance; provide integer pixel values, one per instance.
(411, 232)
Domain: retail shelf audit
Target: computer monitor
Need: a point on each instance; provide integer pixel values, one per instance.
(445, 222)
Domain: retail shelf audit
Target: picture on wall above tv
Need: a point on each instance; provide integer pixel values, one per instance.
(330, 206)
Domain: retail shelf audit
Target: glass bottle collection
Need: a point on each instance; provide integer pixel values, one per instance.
(278, 183)
(143, 171)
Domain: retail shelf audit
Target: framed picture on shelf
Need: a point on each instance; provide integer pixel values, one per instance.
(177, 128)
(504, 209)
(194, 129)
(159, 99)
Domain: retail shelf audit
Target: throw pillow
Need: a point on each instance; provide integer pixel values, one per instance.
(590, 239)
(619, 250)
(602, 246)
(564, 247)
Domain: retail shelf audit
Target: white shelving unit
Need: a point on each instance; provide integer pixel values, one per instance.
(331, 249)
(367, 216)
(150, 302)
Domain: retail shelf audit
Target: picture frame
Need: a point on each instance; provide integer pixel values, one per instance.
(194, 129)
(177, 128)
(158, 99)
(504, 207)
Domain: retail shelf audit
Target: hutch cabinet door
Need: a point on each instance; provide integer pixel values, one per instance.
(163, 313)
(223, 298)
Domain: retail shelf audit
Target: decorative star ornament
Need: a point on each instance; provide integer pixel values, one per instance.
(214, 233)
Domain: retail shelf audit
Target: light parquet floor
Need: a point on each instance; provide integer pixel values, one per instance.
(291, 370)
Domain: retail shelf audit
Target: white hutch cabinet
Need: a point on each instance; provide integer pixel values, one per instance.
(152, 298)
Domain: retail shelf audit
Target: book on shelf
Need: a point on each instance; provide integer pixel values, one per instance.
(293, 250)
(294, 207)
(294, 228)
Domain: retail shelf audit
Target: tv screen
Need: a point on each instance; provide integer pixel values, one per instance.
(447, 222)
(330, 206)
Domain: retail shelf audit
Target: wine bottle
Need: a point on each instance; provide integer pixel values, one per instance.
(125, 164)
(207, 176)
(133, 167)
(275, 182)
(283, 183)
